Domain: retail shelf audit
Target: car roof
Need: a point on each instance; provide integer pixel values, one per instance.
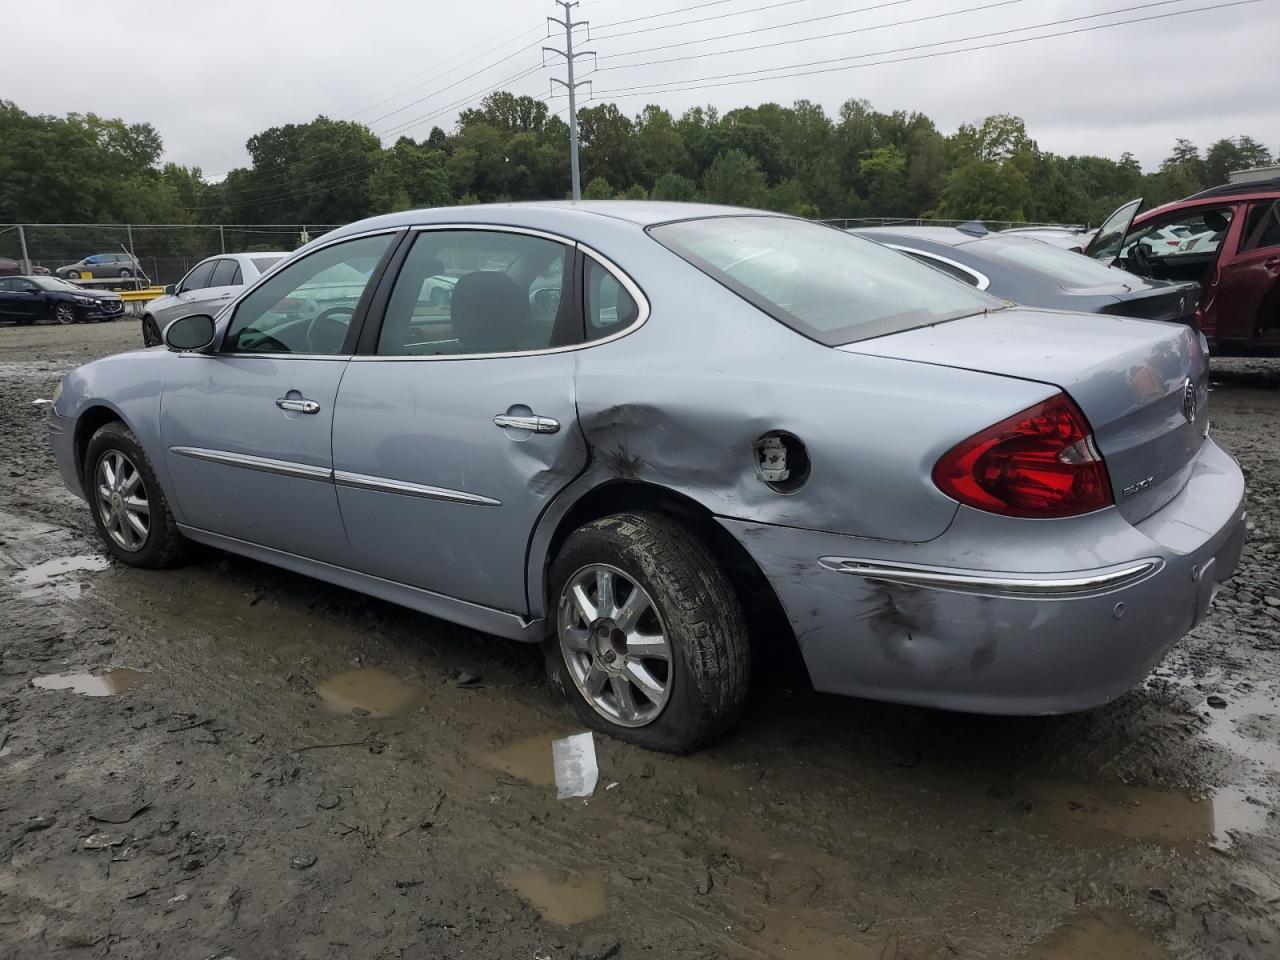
(1209, 198)
(553, 214)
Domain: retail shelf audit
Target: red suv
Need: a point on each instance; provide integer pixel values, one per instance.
(1227, 239)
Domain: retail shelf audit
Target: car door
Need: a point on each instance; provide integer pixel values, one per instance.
(1247, 298)
(247, 426)
(456, 423)
(187, 295)
(224, 284)
(21, 300)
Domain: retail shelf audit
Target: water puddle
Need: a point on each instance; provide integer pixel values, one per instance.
(1102, 937)
(106, 685)
(375, 691)
(563, 902)
(1096, 816)
(528, 759)
(811, 935)
(54, 576)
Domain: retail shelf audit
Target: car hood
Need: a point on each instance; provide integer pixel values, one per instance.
(97, 294)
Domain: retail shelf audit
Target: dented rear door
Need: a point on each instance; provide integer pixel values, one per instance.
(435, 493)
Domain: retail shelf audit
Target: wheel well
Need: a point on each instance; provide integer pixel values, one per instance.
(773, 643)
(86, 426)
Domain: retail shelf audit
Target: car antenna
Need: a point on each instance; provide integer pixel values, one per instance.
(975, 228)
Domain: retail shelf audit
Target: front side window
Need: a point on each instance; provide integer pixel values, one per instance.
(224, 273)
(307, 308)
(468, 292)
(198, 278)
(824, 283)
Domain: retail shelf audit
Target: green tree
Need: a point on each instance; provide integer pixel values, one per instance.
(735, 178)
(598, 189)
(672, 186)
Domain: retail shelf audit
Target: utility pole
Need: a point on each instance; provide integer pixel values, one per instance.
(571, 85)
(22, 242)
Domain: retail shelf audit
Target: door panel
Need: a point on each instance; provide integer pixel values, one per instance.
(474, 490)
(1247, 282)
(242, 466)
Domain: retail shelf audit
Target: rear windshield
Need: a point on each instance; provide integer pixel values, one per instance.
(1062, 267)
(821, 282)
(265, 263)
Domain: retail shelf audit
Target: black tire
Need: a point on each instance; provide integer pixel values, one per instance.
(163, 545)
(150, 331)
(126, 273)
(700, 616)
(64, 313)
(73, 274)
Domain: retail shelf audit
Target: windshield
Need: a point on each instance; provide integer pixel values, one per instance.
(824, 283)
(1059, 266)
(53, 283)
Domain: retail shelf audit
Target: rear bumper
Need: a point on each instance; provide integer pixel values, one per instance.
(1025, 633)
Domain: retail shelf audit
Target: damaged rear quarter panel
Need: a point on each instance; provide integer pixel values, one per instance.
(679, 402)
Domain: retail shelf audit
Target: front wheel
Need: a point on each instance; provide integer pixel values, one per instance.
(650, 642)
(129, 508)
(64, 313)
(150, 332)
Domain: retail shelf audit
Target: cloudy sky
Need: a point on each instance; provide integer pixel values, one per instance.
(209, 75)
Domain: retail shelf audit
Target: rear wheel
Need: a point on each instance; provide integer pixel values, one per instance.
(64, 313)
(126, 272)
(129, 508)
(649, 643)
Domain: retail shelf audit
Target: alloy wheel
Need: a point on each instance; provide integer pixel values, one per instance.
(64, 313)
(123, 506)
(615, 645)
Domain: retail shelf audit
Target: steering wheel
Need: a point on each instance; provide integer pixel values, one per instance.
(328, 330)
(1140, 260)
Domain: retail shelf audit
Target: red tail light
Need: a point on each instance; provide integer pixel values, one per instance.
(1039, 463)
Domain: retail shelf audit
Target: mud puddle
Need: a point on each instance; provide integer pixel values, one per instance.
(563, 900)
(528, 760)
(108, 684)
(375, 691)
(1101, 937)
(55, 577)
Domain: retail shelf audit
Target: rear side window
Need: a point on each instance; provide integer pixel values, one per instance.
(198, 278)
(950, 269)
(475, 292)
(1262, 228)
(610, 308)
(223, 273)
(265, 263)
(823, 283)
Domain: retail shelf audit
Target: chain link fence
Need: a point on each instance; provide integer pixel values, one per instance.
(164, 252)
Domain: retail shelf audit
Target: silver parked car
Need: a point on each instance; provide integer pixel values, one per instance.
(951, 501)
(207, 288)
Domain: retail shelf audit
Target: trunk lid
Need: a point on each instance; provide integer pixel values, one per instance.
(1130, 377)
(1158, 300)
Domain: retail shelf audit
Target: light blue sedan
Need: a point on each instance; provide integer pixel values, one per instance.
(720, 435)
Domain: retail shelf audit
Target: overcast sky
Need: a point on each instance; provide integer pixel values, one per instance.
(209, 75)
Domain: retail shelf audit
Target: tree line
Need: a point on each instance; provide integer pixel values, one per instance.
(859, 163)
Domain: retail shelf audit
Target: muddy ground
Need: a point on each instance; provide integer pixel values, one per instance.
(259, 765)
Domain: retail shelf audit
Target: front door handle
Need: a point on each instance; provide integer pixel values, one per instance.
(534, 424)
(298, 406)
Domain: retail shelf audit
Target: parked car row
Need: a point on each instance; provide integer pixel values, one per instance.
(26, 300)
(665, 439)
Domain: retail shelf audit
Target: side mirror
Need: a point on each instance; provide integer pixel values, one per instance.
(189, 333)
(170, 289)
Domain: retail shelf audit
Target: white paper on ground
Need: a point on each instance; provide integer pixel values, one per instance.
(575, 764)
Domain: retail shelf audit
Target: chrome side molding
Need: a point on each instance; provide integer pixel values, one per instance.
(1044, 585)
(364, 482)
(285, 468)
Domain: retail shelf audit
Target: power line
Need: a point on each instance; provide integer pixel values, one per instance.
(783, 43)
(718, 16)
(698, 84)
(667, 13)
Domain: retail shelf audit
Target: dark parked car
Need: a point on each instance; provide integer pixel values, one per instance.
(1036, 274)
(1228, 240)
(28, 299)
(13, 268)
(101, 266)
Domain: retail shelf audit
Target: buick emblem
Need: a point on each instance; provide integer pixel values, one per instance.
(1189, 401)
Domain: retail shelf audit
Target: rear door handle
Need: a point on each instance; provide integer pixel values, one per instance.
(298, 406)
(534, 424)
